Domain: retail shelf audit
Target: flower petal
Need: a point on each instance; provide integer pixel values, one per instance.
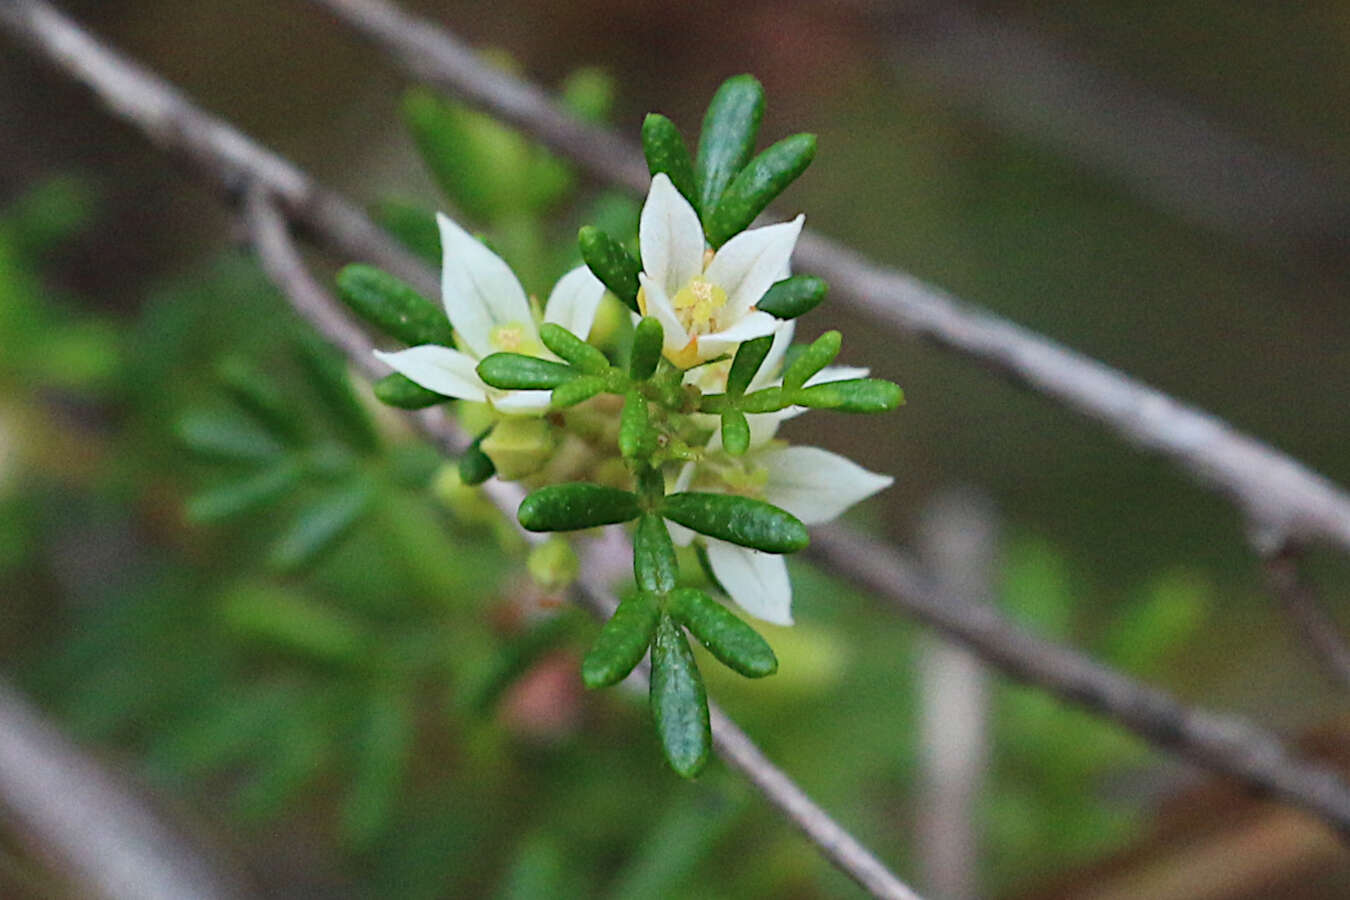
(670, 236)
(748, 264)
(772, 367)
(816, 485)
(574, 300)
(658, 305)
(438, 369)
(522, 403)
(757, 324)
(682, 536)
(479, 289)
(758, 582)
(837, 373)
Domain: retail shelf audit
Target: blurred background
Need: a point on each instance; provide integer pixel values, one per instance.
(344, 686)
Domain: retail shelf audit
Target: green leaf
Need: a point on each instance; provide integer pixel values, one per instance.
(518, 372)
(727, 140)
(633, 424)
(666, 152)
(735, 432)
(479, 164)
(237, 497)
(622, 641)
(394, 307)
(755, 186)
(400, 391)
(259, 397)
(648, 339)
(749, 357)
(413, 226)
(328, 374)
(740, 520)
(793, 297)
(811, 360)
(293, 623)
(731, 640)
(588, 94)
(855, 395)
(320, 526)
(225, 436)
(475, 467)
(678, 700)
(383, 745)
(568, 507)
(578, 390)
(573, 349)
(611, 263)
(654, 565)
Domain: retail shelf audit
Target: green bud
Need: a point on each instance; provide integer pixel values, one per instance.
(740, 520)
(622, 641)
(518, 372)
(811, 360)
(240, 496)
(578, 390)
(569, 507)
(666, 152)
(648, 338)
(633, 424)
(793, 297)
(401, 392)
(731, 640)
(393, 307)
(678, 700)
(654, 565)
(749, 357)
(518, 446)
(553, 564)
(735, 432)
(573, 349)
(320, 526)
(755, 186)
(611, 263)
(856, 395)
(727, 141)
(475, 466)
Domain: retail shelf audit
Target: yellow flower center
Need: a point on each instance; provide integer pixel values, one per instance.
(514, 337)
(697, 303)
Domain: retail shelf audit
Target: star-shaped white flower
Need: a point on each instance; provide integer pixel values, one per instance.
(490, 313)
(706, 304)
(814, 485)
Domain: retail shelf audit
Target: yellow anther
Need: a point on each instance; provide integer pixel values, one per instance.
(514, 338)
(696, 304)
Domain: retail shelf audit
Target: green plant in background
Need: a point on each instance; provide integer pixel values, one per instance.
(672, 431)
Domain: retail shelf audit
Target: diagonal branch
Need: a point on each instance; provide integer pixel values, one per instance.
(1281, 498)
(227, 159)
(281, 260)
(1301, 604)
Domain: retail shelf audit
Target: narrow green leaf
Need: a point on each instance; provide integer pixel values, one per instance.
(237, 497)
(225, 436)
(633, 424)
(413, 226)
(401, 392)
(654, 565)
(727, 141)
(259, 396)
(611, 263)
(749, 357)
(383, 746)
(765, 401)
(811, 360)
(320, 526)
(518, 372)
(648, 338)
(666, 152)
(731, 640)
(793, 297)
(578, 390)
(678, 700)
(622, 642)
(474, 466)
(756, 185)
(573, 349)
(479, 164)
(394, 307)
(328, 374)
(855, 395)
(735, 432)
(294, 623)
(740, 520)
(568, 507)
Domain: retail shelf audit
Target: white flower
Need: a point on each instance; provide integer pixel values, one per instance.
(490, 313)
(706, 304)
(814, 485)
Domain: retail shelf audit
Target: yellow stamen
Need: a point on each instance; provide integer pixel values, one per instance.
(697, 302)
(513, 338)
